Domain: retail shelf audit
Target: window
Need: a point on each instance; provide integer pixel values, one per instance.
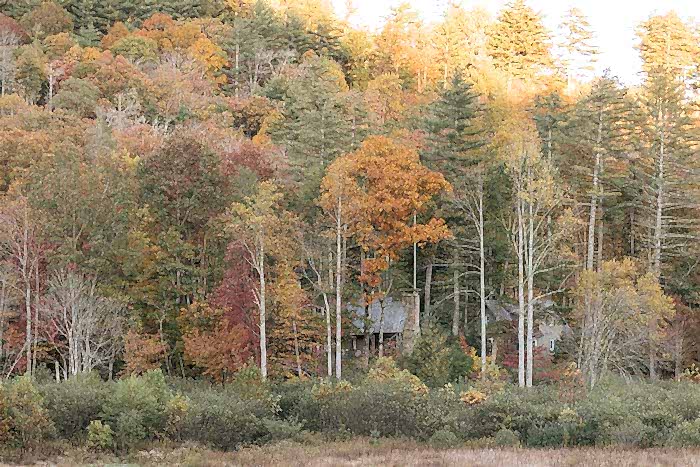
(551, 345)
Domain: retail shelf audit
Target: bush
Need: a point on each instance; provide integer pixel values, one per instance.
(137, 408)
(74, 403)
(223, 420)
(100, 436)
(505, 438)
(687, 434)
(437, 362)
(443, 439)
(25, 420)
(281, 430)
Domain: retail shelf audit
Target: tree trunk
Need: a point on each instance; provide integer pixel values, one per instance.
(530, 293)
(296, 348)
(482, 279)
(657, 242)
(455, 288)
(262, 308)
(521, 296)
(428, 285)
(381, 327)
(338, 293)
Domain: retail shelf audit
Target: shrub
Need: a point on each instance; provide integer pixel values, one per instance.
(281, 430)
(26, 422)
(506, 438)
(137, 408)
(437, 362)
(74, 403)
(176, 408)
(223, 420)
(687, 434)
(100, 435)
(130, 427)
(443, 439)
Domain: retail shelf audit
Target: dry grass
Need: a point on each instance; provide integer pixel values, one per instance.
(361, 452)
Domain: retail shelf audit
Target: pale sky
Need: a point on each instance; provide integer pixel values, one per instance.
(614, 21)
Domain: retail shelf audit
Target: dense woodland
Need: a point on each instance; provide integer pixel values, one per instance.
(202, 185)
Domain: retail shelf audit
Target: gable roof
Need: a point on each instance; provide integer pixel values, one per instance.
(394, 316)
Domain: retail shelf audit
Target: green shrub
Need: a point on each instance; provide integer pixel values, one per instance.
(222, 420)
(436, 361)
(687, 434)
(505, 438)
(137, 408)
(443, 439)
(281, 430)
(130, 428)
(631, 433)
(74, 403)
(26, 422)
(100, 436)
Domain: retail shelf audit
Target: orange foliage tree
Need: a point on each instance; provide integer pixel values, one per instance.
(142, 352)
(383, 185)
(212, 342)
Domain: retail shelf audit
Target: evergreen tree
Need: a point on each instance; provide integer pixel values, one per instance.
(577, 52)
(519, 43)
(669, 45)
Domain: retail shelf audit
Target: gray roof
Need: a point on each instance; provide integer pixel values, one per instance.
(499, 311)
(394, 316)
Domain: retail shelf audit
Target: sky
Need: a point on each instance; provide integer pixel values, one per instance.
(614, 21)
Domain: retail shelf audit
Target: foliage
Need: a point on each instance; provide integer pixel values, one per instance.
(137, 408)
(436, 362)
(75, 403)
(27, 422)
(100, 436)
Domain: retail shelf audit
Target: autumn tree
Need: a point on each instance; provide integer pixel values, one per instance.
(387, 185)
(213, 342)
(262, 230)
(622, 303)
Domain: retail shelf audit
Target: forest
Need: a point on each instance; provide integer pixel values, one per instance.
(243, 194)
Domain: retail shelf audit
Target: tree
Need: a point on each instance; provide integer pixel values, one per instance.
(537, 198)
(669, 45)
(85, 328)
(622, 304)
(30, 72)
(600, 124)
(577, 51)
(519, 43)
(19, 240)
(47, 19)
(262, 231)
(457, 136)
(213, 342)
(387, 185)
(670, 140)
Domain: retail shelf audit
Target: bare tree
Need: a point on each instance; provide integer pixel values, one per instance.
(18, 240)
(88, 328)
(9, 41)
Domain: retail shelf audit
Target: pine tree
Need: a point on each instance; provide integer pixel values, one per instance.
(519, 43)
(457, 136)
(576, 49)
(671, 141)
(669, 45)
(599, 127)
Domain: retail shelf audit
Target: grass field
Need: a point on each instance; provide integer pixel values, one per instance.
(363, 452)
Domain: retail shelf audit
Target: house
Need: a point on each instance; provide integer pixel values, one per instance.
(396, 320)
(549, 329)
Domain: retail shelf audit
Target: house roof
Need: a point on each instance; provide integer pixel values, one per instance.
(394, 316)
